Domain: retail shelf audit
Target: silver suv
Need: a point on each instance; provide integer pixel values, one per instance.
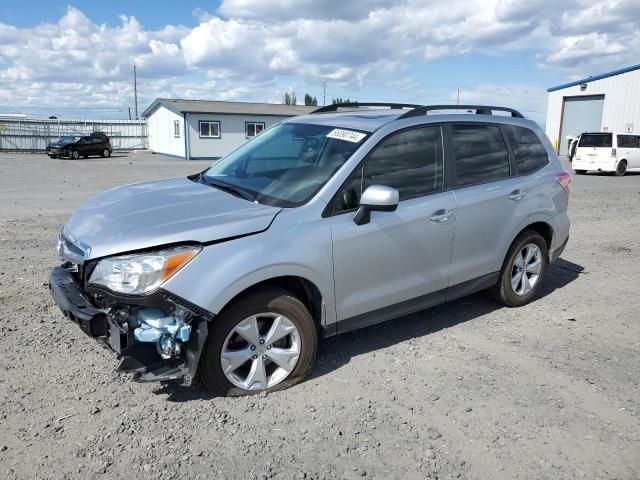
(322, 224)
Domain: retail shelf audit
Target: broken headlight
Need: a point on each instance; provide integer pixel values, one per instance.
(141, 273)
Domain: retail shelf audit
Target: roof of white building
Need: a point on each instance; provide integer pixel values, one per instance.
(595, 77)
(181, 106)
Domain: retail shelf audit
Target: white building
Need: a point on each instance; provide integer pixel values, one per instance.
(609, 102)
(203, 129)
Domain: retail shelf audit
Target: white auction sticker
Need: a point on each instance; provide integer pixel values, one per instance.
(348, 135)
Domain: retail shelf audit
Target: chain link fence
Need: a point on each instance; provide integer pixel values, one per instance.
(31, 135)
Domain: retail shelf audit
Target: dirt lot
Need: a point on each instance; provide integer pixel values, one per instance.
(465, 390)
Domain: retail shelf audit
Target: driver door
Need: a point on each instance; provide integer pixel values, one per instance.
(399, 262)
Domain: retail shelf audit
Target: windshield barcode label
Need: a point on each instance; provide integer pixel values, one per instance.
(347, 135)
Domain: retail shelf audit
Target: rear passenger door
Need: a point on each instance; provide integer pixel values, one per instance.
(629, 150)
(399, 261)
(97, 144)
(491, 202)
(84, 146)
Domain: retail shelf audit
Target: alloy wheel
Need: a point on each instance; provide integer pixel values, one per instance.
(526, 269)
(260, 351)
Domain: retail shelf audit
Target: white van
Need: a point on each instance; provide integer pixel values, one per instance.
(607, 152)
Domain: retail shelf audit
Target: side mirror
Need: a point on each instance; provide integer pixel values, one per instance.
(376, 198)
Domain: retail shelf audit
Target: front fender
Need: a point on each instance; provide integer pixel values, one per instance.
(300, 248)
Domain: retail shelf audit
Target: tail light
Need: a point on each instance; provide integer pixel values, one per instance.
(613, 153)
(564, 179)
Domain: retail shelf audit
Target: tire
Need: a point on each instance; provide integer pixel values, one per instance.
(75, 154)
(53, 156)
(580, 172)
(621, 168)
(106, 153)
(223, 337)
(505, 292)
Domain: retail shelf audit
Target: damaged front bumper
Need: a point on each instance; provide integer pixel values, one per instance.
(158, 337)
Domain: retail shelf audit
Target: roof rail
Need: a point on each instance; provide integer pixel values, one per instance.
(480, 110)
(334, 107)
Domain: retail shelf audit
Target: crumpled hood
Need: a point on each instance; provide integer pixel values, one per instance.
(161, 212)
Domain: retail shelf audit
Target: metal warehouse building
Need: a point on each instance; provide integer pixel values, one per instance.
(202, 129)
(609, 102)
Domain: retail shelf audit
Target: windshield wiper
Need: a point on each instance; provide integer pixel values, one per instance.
(237, 191)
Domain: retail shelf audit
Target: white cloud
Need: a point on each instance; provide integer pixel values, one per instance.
(253, 50)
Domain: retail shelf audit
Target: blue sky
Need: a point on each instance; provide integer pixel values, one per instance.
(74, 58)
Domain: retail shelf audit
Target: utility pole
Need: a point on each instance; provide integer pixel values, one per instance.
(135, 89)
(324, 92)
(458, 99)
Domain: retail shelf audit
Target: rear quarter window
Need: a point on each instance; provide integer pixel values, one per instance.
(529, 153)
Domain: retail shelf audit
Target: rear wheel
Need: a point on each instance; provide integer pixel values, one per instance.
(523, 270)
(75, 154)
(621, 169)
(580, 172)
(265, 341)
(106, 153)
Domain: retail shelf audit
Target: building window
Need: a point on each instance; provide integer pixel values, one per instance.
(209, 129)
(176, 128)
(252, 129)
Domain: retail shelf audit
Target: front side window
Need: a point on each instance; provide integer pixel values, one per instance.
(528, 151)
(176, 128)
(209, 129)
(596, 140)
(411, 161)
(480, 154)
(253, 128)
(286, 164)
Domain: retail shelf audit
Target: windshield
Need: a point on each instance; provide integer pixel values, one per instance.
(66, 140)
(595, 140)
(286, 164)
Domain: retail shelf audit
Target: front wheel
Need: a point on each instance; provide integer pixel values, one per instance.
(621, 169)
(75, 154)
(523, 270)
(265, 341)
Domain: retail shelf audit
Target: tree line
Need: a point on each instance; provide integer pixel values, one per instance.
(309, 101)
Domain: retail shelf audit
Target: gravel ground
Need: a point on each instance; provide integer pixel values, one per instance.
(464, 390)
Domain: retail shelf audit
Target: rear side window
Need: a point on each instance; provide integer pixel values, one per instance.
(628, 141)
(595, 140)
(480, 154)
(528, 151)
(409, 161)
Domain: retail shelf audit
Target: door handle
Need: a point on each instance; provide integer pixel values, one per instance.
(440, 216)
(517, 195)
